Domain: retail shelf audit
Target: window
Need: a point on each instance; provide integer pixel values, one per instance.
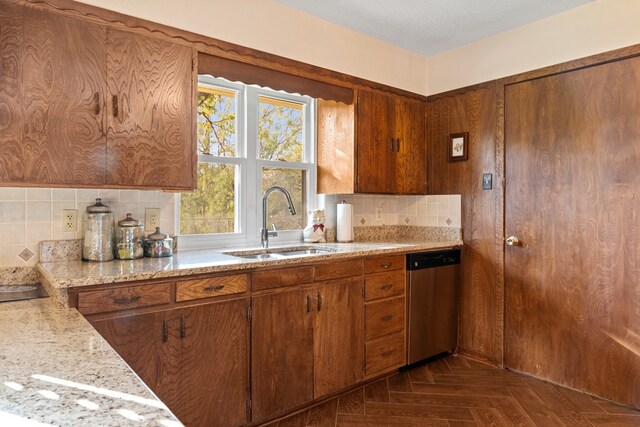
(249, 139)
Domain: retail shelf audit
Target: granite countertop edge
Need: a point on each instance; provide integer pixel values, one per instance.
(75, 274)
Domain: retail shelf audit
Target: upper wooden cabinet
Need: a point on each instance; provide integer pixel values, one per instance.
(377, 145)
(89, 106)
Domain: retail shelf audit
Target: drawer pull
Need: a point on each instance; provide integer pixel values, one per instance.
(214, 288)
(126, 300)
(386, 353)
(183, 327)
(386, 265)
(386, 318)
(165, 330)
(386, 287)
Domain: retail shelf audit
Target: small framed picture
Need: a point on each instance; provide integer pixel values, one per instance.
(458, 146)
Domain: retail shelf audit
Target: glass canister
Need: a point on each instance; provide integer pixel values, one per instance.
(129, 237)
(158, 245)
(97, 231)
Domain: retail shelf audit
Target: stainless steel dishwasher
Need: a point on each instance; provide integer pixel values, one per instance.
(433, 303)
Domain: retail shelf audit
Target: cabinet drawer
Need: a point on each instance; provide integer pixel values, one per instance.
(383, 285)
(384, 263)
(278, 278)
(384, 317)
(338, 270)
(211, 287)
(106, 300)
(384, 354)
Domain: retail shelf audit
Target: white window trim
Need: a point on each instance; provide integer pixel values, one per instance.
(248, 184)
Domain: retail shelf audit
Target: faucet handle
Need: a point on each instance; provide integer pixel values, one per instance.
(273, 232)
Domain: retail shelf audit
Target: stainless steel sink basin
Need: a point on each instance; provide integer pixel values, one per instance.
(279, 253)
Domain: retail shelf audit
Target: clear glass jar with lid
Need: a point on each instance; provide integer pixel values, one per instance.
(129, 238)
(97, 232)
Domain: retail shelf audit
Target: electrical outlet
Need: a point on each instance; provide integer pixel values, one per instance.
(69, 220)
(151, 218)
(378, 214)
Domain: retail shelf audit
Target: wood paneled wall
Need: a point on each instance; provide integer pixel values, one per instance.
(481, 304)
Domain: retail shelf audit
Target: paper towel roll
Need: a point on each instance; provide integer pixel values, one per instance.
(344, 223)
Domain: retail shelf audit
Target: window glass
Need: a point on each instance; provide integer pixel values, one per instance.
(280, 130)
(211, 207)
(217, 122)
(293, 180)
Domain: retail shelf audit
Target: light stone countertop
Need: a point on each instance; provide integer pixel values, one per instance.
(55, 369)
(59, 276)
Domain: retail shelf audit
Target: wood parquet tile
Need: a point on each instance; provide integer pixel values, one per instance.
(458, 392)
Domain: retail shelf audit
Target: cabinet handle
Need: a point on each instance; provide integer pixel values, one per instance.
(183, 327)
(308, 303)
(386, 287)
(213, 288)
(386, 265)
(115, 105)
(96, 98)
(386, 318)
(126, 300)
(386, 353)
(398, 145)
(319, 301)
(165, 330)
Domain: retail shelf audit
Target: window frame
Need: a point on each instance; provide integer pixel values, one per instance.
(248, 185)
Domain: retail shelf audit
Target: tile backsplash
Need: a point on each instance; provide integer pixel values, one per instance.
(434, 211)
(30, 215)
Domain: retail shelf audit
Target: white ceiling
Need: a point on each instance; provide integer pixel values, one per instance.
(431, 26)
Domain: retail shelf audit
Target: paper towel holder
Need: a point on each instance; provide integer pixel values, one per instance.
(348, 238)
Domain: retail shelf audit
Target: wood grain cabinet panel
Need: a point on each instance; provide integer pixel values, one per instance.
(52, 93)
(338, 270)
(384, 285)
(384, 263)
(380, 147)
(193, 289)
(384, 317)
(281, 352)
(115, 299)
(150, 112)
(194, 359)
(270, 279)
(385, 354)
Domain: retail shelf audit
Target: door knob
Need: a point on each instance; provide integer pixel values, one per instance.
(513, 241)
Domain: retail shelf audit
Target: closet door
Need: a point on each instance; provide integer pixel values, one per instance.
(572, 199)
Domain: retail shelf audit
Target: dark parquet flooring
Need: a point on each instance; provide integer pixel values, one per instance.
(456, 391)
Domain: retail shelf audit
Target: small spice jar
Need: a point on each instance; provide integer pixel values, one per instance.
(158, 245)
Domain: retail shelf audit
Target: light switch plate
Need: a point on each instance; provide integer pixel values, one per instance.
(487, 181)
(151, 218)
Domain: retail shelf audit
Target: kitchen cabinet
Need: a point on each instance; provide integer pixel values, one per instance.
(307, 342)
(194, 358)
(377, 145)
(90, 106)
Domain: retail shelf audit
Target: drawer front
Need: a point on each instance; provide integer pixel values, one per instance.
(385, 354)
(384, 263)
(106, 300)
(211, 287)
(384, 285)
(338, 270)
(384, 317)
(278, 278)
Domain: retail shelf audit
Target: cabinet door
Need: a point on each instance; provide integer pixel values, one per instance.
(213, 363)
(411, 150)
(338, 335)
(148, 343)
(151, 112)
(51, 99)
(375, 143)
(281, 352)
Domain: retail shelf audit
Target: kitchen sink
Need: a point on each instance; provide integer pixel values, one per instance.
(279, 253)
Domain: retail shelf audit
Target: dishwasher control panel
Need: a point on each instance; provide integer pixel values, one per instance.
(433, 259)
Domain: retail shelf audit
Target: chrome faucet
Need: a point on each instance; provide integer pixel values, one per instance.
(265, 233)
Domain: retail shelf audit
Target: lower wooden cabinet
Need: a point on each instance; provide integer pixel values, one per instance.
(306, 342)
(193, 358)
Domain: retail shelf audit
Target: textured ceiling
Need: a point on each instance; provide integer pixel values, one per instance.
(431, 26)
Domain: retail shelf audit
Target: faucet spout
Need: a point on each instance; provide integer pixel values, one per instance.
(264, 231)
